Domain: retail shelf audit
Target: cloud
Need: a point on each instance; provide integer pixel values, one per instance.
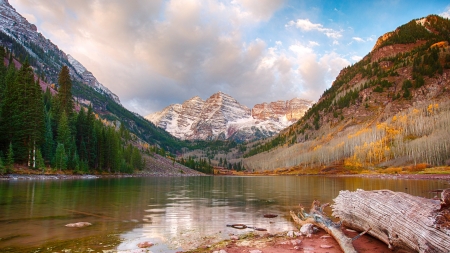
(446, 12)
(316, 72)
(155, 53)
(358, 39)
(313, 44)
(356, 58)
(306, 25)
(260, 9)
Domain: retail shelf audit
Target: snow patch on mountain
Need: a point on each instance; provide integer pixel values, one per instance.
(90, 79)
(222, 117)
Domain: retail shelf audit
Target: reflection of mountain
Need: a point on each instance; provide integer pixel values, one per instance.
(199, 208)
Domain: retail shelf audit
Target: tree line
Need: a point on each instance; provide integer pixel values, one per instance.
(41, 130)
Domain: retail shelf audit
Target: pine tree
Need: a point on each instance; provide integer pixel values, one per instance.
(40, 164)
(8, 121)
(63, 132)
(60, 160)
(2, 167)
(48, 146)
(3, 70)
(10, 158)
(64, 96)
(22, 113)
(37, 124)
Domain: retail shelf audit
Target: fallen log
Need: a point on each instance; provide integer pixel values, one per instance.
(318, 218)
(398, 219)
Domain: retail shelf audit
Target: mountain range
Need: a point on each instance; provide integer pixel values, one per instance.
(222, 117)
(389, 109)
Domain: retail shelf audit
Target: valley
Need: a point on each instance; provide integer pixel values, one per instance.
(218, 122)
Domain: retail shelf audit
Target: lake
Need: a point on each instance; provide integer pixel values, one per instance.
(176, 213)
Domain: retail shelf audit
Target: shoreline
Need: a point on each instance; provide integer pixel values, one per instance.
(24, 176)
(399, 176)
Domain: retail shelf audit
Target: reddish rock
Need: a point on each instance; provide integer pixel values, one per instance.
(145, 244)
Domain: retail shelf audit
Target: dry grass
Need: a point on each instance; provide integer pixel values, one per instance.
(436, 170)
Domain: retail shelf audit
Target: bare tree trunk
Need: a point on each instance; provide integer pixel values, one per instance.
(396, 218)
(318, 218)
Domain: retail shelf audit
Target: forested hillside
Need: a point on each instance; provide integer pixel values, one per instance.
(38, 129)
(390, 108)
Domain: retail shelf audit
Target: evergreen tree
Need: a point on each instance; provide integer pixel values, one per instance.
(64, 135)
(10, 158)
(37, 124)
(8, 120)
(2, 167)
(25, 114)
(40, 164)
(60, 160)
(48, 146)
(3, 70)
(65, 98)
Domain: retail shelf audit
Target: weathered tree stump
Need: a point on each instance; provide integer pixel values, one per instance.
(318, 218)
(398, 219)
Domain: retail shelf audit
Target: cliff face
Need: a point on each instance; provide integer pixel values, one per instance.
(293, 110)
(222, 117)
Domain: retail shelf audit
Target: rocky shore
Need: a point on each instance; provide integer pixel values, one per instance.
(156, 166)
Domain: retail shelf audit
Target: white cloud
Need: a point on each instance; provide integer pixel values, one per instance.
(261, 9)
(313, 44)
(306, 25)
(300, 50)
(154, 53)
(358, 39)
(316, 72)
(356, 58)
(446, 12)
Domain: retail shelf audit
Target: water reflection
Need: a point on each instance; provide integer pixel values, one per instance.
(175, 213)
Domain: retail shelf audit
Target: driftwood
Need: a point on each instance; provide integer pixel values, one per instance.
(398, 219)
(318, 218)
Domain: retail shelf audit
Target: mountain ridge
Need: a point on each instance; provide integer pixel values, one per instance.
(355, 123)
(19, 30)
(222, 117)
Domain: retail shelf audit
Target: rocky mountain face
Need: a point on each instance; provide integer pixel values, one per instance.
(89, 79)
(391, 108)
(23, 39)
(222, 117)
(292, 109)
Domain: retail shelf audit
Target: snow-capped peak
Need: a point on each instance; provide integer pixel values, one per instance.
(222, 117)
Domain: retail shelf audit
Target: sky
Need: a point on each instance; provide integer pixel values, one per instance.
(153, 53)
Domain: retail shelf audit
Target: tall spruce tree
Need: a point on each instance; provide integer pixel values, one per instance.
(23, 101)
(8, 108)
(64, 135)
(37, 124)
(48, 146)
(65, 98)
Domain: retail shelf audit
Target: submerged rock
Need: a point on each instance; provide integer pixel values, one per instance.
(145, 244)
(80, 224)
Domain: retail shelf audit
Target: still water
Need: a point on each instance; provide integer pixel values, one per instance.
(175, 213)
